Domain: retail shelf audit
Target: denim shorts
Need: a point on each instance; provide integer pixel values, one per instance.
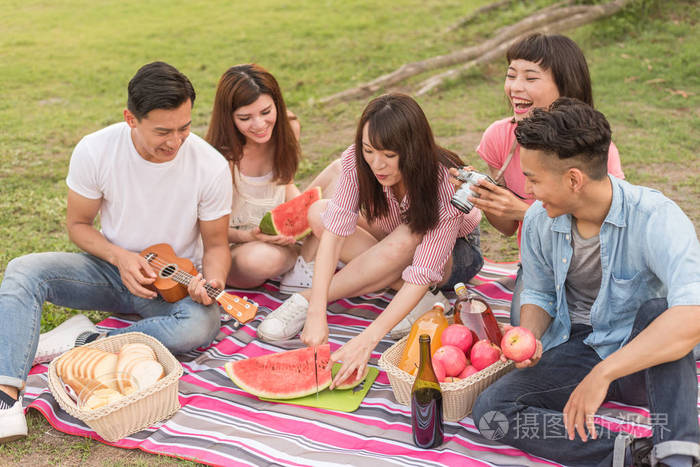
(466, 259)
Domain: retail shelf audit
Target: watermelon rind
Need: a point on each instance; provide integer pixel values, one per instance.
(268, 224)
(284, 375)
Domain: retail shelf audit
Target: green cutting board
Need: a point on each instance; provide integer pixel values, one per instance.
(344, 400)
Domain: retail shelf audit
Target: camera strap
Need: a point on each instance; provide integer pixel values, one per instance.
(500, 181)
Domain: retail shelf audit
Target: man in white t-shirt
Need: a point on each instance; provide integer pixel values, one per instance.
(151, 182)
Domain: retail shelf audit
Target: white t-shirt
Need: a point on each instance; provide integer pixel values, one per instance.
(144, 203)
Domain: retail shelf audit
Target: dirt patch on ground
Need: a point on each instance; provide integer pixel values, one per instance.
(678, 181)
(47, 446)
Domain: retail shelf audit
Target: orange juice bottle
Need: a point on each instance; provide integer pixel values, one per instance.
(432, 323)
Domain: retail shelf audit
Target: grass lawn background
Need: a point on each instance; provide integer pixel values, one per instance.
(64, 67)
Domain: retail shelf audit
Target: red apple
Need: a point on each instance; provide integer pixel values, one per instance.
(468, 371)
(451, 379)
(484, 353)
(518, 344)
(451, 358)
(458, 335)
(439, 370)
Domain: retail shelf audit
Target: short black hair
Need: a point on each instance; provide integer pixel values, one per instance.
(571, 129)
(158, 85)
(563, 57)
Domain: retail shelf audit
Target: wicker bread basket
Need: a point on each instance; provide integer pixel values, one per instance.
(136, 411)
(457, 398)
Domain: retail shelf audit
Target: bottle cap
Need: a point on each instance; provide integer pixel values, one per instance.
(460, 285)
(440, 304)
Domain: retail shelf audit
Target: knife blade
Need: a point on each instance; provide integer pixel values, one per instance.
(316, 370)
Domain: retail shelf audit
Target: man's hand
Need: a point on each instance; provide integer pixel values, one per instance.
(583, 403)
(532, 361)
(354, 355)
(196, 289)
(135, 273)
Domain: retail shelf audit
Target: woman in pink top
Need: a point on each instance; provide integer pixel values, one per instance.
(391, 221)
(541, 68)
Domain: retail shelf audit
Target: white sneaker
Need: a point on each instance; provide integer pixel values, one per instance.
(286, 321)
(298, 278)
(62, 338)
(424, 305)
(13, 424)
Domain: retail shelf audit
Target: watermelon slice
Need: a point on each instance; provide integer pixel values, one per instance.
(350, 382)
(290, 218)
(284, 375)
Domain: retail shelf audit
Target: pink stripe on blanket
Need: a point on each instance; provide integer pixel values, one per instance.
(197, 454)
(38, 369)
(342, 440)
(344, 320)
(634, 429)
(493, 291)
(627, 408)
(330, 436)
(114, 323)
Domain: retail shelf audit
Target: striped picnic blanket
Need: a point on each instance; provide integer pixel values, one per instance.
(223, 425)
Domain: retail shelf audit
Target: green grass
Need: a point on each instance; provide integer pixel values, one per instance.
(64, 68)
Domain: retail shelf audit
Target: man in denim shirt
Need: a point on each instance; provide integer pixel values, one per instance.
(612, 289)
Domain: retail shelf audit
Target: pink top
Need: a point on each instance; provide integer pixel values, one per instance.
(436, 246)
(495, 146)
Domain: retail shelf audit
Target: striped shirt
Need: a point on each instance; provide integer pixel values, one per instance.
(340, 218)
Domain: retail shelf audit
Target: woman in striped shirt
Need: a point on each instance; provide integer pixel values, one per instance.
(391, 221)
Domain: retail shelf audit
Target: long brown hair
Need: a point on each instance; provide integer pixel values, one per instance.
(398, 124)
(242, 85)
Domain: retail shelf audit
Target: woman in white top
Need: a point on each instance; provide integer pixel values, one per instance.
(251, 127)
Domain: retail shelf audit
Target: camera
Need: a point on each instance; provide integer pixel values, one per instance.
(470, 178)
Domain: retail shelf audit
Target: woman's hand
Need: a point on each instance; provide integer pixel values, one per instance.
(315, 330)
(453, 175)
(354, 355)
(498, 201)
(282, 240)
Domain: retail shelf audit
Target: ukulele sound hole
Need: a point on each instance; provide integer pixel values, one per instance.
(168, 271)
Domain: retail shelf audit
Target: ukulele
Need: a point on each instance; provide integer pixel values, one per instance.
(175, 273)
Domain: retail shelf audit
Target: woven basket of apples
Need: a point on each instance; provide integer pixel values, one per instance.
(117, 385)
(464, 367)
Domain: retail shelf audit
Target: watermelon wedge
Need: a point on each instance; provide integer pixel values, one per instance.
(352, 380)
(284, 375)
(290, 218)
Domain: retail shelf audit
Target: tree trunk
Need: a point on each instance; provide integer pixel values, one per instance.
(546, 20)
(478, 12)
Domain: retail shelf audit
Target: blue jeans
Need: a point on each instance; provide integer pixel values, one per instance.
(515, 302)
(531, 401)
(466, 259)
(84, 282)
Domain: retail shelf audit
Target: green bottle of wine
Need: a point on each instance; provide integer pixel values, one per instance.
(426, 401)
